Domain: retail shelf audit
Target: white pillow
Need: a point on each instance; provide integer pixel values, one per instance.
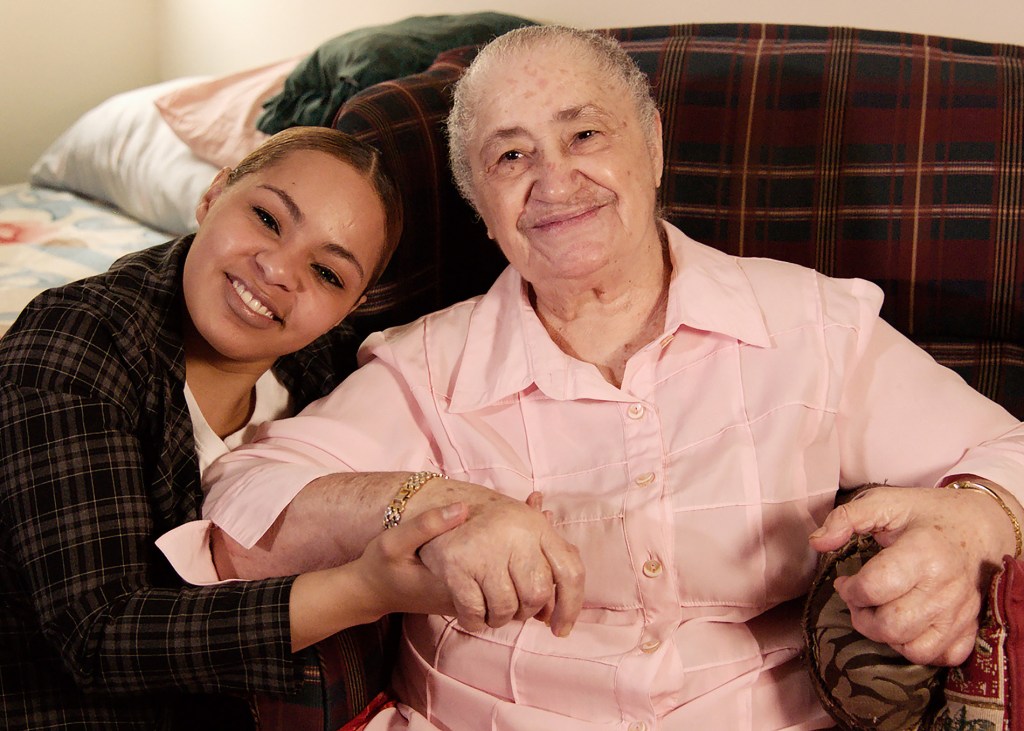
(122, 152)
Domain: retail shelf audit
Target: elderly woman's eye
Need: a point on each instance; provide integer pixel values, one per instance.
(511, 156)
(586, 134)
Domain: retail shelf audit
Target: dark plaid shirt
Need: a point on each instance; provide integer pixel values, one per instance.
(97, 458)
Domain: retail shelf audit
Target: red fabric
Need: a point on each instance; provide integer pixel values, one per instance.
(1011, 601)
(378, 704)
(987, 690)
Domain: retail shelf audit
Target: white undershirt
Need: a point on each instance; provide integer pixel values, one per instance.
(272, 402)
(187, 547)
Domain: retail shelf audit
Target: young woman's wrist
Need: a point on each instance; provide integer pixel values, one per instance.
(328, 601)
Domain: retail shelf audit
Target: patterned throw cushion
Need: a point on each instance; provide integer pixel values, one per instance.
(866, 685)
(862, 684)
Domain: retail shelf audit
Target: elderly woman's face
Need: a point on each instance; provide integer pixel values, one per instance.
(563, 174)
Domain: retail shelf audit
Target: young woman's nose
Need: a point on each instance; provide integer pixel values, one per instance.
(278, 267)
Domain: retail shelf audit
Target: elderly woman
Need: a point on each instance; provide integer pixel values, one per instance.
(688, 417)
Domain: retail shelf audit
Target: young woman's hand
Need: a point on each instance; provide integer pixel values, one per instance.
(388, 577)
(391, 569)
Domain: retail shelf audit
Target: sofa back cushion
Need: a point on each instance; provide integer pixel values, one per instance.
(894, 157)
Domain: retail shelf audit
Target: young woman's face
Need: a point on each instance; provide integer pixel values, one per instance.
(281, 257)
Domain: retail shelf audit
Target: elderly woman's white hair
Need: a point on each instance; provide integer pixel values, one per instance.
(607, 56)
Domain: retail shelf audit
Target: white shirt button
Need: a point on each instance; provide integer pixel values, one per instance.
(638, 726)
(635, 411)
(650, 646)
(645, 479)
(652, 568)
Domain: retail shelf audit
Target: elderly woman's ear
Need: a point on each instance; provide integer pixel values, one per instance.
(657, 150)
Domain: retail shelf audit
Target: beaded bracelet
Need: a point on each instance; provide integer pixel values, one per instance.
(393, 512)
(970, 485)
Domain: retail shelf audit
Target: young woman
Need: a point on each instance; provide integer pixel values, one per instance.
(117, 390)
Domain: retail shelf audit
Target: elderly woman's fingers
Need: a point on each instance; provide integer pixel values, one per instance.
(957, 651)
(924, 609)
(500, 598)
(536, 501)
(947, 640)
(506, 562)
(917, 595)
(468, 598)
(569, 575)
(895, 572)
(534, 584)
(881, 511)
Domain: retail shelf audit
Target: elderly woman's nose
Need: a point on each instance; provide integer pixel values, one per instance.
(556, 177)
(279, 267)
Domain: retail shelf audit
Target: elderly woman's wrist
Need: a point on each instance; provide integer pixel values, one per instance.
(395, 509)
(1000, 497)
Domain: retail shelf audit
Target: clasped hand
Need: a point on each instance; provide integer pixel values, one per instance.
(505, 562)
(922, 593)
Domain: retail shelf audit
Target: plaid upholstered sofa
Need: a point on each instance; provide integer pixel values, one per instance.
(894, 157)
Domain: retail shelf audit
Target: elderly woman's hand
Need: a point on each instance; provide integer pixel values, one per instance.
(922, 593)
(505, 562)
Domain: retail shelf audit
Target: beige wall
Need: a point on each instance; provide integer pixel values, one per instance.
(58, 58)
(228, 35)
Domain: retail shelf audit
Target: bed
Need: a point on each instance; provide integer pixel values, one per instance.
(50, 237)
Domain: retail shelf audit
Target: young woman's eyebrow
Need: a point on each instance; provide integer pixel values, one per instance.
(341, 251)
(296, 213)
(298, 216)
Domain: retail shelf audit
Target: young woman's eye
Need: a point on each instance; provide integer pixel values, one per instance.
(266, 219)
(328, 276)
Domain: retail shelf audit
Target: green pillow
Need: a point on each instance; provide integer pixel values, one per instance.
(344, 65)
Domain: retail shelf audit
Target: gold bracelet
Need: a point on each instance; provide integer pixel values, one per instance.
(393, 512)
(970, 485)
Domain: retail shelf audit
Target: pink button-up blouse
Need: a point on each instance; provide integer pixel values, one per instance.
(690, 491)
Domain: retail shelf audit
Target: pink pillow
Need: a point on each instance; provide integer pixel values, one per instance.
(216, 118)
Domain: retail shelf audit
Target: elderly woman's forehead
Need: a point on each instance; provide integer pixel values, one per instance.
(530, 67)
(550, 54)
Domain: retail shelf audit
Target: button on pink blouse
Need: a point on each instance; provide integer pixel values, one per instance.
(690, 490)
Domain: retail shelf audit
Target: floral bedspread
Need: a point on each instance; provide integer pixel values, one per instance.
(50, 237)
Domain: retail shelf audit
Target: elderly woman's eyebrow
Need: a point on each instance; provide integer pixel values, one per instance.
(583, 111)
(502, 134)
(569, 114)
